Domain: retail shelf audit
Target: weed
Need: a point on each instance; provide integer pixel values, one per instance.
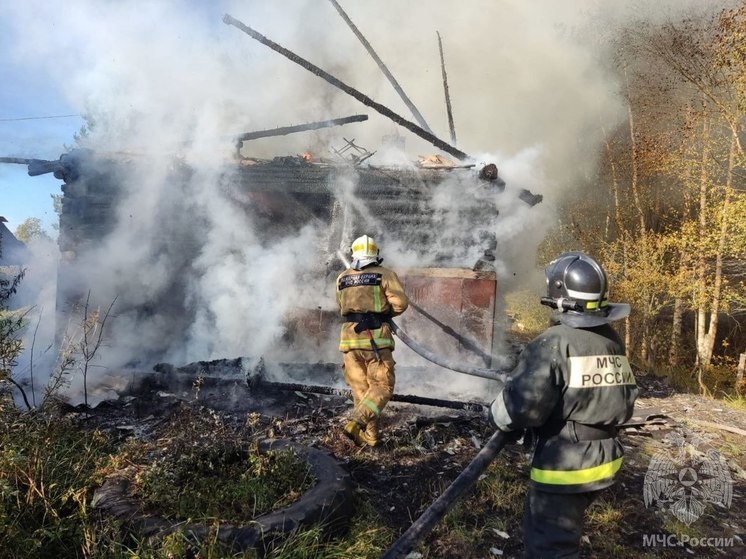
(197, 386)
(367, 538)
(606, 518)
(12, 323)
(222, 483)
(47, 471)
(253, 419)
(737, 401)
(504, 487)
(673, 525)
(176, 545)
(49, 468)
(528, 318)
(493, 507)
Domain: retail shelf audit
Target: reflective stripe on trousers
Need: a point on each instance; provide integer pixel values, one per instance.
(577, 477)
(371, 381)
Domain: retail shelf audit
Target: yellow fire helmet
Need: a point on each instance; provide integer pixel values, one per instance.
(365, 252)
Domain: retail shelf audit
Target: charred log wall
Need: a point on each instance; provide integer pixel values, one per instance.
(281, 196)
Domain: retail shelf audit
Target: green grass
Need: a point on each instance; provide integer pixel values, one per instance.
(494, 504)
(606, 521)
(529, 318)
(48, 469)
(50, 466)
(735, 401)
(222, 483)
(368, 538)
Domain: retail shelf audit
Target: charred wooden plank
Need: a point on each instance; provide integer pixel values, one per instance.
(449, 111)
(385, 111)
(16, 160)
(314, 389)
(389, 76)
(284, 130)
(35, 166)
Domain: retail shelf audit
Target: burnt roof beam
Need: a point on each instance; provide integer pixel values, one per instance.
(449, 111)
(36, 167)
(385, 111)
(284, 130)
(389, 76)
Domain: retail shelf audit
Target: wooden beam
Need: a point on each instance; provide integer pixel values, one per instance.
(385, 111)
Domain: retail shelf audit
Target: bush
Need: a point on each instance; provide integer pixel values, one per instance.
(11, 324)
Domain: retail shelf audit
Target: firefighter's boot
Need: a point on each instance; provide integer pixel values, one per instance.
(357, 434)
(371, 432)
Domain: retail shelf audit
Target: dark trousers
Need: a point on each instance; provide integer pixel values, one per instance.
(553, 523)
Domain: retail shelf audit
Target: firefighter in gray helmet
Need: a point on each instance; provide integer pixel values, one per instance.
(571, 387)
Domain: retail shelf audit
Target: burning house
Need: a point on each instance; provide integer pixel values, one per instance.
(398, 205)
(180, 292)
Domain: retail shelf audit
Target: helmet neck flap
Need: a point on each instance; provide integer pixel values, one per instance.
(364, 252)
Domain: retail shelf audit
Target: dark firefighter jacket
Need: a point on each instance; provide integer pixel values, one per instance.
(572, 386)
(373, 289)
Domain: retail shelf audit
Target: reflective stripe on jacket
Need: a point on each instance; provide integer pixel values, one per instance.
(372, 289)
(566, 375)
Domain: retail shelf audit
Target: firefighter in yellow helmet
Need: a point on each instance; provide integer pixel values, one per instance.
(368, 296)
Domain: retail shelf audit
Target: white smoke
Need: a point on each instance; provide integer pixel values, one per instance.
(36, 298)
(168, 87)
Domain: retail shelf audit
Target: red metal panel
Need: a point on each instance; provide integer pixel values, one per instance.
(452, 311)
(478, 309)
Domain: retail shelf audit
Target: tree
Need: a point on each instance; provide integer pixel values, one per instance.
(81, 137)
(57, 205)
(11, 324)
(708, 55)
(30, 229)
(665, 212)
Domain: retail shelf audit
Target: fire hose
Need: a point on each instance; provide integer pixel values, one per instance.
(428, 519)
(422, 526)
(492, 374)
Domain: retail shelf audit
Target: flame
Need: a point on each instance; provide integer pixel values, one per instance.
(307, 156)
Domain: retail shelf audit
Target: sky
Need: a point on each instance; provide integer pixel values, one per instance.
(30, 95)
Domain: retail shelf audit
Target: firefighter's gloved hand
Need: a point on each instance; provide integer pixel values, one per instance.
(497, 417)
(512, 437)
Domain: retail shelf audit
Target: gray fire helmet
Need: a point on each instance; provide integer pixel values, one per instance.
(577, 287)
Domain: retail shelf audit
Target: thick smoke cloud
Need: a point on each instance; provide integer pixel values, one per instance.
(168, 86)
